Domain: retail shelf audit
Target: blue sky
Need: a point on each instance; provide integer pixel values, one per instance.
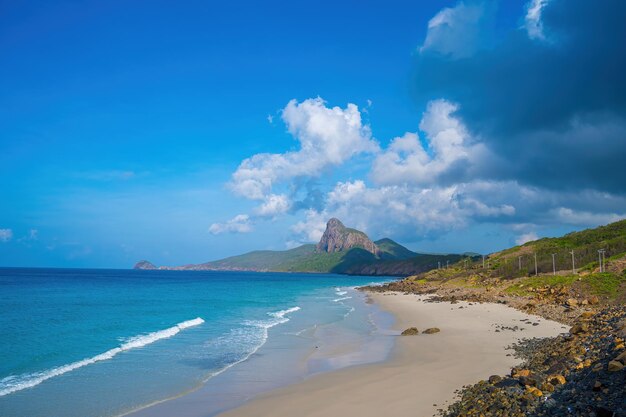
(186, 132)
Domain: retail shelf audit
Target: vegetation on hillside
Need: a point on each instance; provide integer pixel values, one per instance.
(394, 259)
(584, 244)
(502, 269)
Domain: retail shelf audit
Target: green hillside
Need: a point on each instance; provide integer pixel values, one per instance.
(263, 260)
(393, 250)
(395, 259)
(585, 245)
(341, 250)
(512, 271)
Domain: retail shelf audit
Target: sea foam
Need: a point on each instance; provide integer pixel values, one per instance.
(15, 383)
(256, 339)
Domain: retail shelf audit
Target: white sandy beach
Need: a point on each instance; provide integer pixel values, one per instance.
(423, 372)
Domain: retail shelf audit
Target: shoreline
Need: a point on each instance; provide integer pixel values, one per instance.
(289, 357)
(423, 372)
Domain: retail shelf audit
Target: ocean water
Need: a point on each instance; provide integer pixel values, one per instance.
(107, 342)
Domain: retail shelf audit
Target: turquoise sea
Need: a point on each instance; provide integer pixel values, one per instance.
(107, 342)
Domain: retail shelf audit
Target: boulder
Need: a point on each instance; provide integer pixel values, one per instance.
(494, 379)
(411, 331)
(587, 315)
(615, 366)
(431, 330)
(579, 328)
(528, 381)
(517, 373)
(557, 380)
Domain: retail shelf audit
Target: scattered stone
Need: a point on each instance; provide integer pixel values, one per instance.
(557, 380)
(586, 315)
(528, 381)
(615, 366)
(579, 328)
(572, 302)
(431, 330)
(411, 331)
(494, 379)
(517, 373)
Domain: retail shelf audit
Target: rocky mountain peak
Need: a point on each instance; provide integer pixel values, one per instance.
(338, 238)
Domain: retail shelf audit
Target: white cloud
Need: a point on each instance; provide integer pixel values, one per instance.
(407, 210)
(273, 205)
(448, 150)
(532, 21)
(455, 31)
(585, 218)
(526, 237)
(311, 228)
(6, 235)
(238, 224)
(418, 187)
(327, 137)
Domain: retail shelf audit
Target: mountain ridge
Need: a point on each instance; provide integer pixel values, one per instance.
(340, 250)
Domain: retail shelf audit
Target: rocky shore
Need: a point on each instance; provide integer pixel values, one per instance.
(576, 374)
(579, 373)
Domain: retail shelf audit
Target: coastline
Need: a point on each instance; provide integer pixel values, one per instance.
(289, 356)
(423, 372)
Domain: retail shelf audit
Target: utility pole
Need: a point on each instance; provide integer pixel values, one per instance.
(536, 264)
(573, 263)
(447, 263)
(553, 264)
(519, 259)
(483, 261)
(600, 259)
(438, 264)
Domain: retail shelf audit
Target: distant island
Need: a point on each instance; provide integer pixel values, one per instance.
(341, 250)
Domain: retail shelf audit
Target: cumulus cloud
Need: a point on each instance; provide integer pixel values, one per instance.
(447, 156)
(399, 210)
(554, 112)
(327, 137)
(6, 235)
(527, 131)
(238, 224)
(456, 32)
(273, 205)
(311, 228)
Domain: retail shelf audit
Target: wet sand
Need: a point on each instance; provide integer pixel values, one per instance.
(424, 370)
